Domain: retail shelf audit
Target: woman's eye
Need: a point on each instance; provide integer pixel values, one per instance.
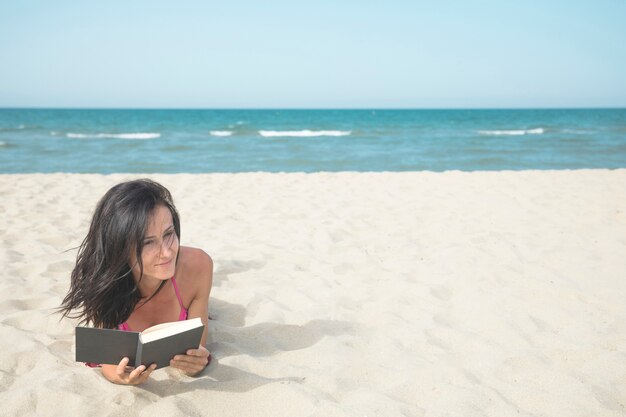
(148, 243)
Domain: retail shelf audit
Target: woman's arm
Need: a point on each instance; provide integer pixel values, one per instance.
(200, 270)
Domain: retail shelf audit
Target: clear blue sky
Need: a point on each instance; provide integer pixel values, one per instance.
(313, 54)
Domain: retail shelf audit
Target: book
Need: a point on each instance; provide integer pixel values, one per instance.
(157, 344)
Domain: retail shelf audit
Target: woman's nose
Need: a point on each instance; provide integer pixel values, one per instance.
(166, 248)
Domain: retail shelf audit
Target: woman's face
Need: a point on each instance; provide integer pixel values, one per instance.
(160, 247)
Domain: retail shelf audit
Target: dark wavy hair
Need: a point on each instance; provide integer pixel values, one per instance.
(103, 291)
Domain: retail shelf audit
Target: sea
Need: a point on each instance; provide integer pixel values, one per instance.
(204, 141)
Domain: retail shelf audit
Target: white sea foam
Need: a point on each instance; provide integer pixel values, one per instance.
(114, 135)
(303, 133)
(537, 131)
(221, 133)
(2, 143)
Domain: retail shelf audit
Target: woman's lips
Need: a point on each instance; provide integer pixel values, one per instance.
(165, 263)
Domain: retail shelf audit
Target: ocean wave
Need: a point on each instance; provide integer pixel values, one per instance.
(221, 133)
(2, 143)
(303, 133)
(537, 131)
(577, 131)
(114, 135)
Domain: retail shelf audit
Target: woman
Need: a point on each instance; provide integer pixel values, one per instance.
(131, 273)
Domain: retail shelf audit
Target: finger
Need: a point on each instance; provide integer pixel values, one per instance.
(184, 362)
(185, 358)
(194, 353)
(189, 368)
(191, 360)
(201, 351)
(178, 364)
(121, 367)
(190, 363)
(136, 373)
(146, 374)
(197, 352)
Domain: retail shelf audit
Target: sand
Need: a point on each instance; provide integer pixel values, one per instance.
(346, 294)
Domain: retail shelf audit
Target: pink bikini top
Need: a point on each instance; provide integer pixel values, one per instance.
(183, 311)
(124, 326)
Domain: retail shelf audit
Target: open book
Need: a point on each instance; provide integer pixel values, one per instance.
(157, 344)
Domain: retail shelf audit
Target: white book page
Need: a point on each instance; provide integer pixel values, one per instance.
(163, 330)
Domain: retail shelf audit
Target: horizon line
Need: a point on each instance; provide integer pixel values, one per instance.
(317, 108)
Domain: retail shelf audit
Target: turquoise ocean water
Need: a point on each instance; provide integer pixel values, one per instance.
(197, 141)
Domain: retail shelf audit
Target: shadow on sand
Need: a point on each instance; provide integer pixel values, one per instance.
(228, 337)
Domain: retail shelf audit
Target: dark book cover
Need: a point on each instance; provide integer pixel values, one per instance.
(109, 346)
(105, 345)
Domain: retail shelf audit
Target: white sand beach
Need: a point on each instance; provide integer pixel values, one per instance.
(346, 294)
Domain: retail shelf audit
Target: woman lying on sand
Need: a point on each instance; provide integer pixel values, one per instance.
(131, 273)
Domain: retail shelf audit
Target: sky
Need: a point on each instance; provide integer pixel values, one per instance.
(314, 54)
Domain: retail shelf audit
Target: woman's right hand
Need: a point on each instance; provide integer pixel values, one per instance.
(125, 375)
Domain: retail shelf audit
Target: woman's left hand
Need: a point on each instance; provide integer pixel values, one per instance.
(193, 362)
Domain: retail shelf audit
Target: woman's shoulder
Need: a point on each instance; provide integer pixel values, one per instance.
(196, 266)
(195, 258)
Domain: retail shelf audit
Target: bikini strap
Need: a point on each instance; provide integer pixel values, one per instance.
(180, 301)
